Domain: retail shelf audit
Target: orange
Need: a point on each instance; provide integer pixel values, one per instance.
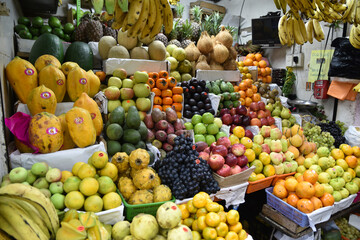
(248, 101)
(305, 189)
(250, 56)
(222, 215)
(258, 57)
(250, 154)
(242, 101)
(242, 94)
(194, 225)
(248, 82)
(101, 75)
(263, 72)
(212, 219)
(268, 71)
(232, 236)
(280, 191)
(184, 212)
(232, 217)
(240, 63)
(209, 233)
(337, 154)
(281, 182)
(245, 70)
(262, 64)
(316, 202)
(254, 88)
(247, 142)
(201, 222)
(188, 222)
(290, 184)
(356, 151)
(242, 86)
(239, 131)
(249, 92)
(248, 75)
(256, 97)
(305, 205)
(269, 170)
(256, 63)
(351, 161)
(319, 190)
(347, 149)
(292, 199)
(260, 176)
(248, 62)
(222, 229)
(310, 176)
(327, 199)
(212, 206)
(201, 212)
(190, 207)
(243, 235)
(236, 227)
(268, 79)
(300, 178)
(65, 175)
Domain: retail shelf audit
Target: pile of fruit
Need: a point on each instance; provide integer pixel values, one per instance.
(167, 94)
(126, 92)
(259, 115)
(347, 230)
(248, 92)
(229, 98)
(125, 134)
(278, 110)
(82, 225)
(208, 220)
(264, 71)
(314, 134)
(163, 128)
(206, 128)
(33, 29)
(304, 192)
(335, 130)
(181, 68)
(235, 117)
(196, 98)
(185, 172)
(138, 183)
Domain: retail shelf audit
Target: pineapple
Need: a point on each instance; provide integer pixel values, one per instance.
(186, 34)
(179, 10)
(173, 35)
(108, 31)
(195, 25)
(212, 23)
(94, 30)
(80, 34)
(161, 37)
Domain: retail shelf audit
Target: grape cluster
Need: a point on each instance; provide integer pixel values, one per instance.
(341, 126)
(184, 172)
(315, 134)
(347, 230)
(334, 130)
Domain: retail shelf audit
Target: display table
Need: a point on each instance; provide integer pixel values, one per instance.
(288, 227)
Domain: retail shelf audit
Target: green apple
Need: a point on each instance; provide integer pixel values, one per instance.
(220, 134)
(112, 104)
(196, 119)
(279, 169)
(218, 122)
(328, 188)
(200, 128)
(56, 187)
(323, 152)
(53, 175)
(106, 185)
(301, 169)
(143, 104)
(5, 180)
(58, 200)
(140, 77)
(173, 63)
(209, 139)
(120, 73)
(72, 184)
(199, 138)
(315, 167)
(324, 177)
(336, 184)
(308, 162)
(347, 177)
(18, 175)
(315, 159)
(41, 183)
(127, 83)
(339, 170)
(337, 196)
(141, 90)
(207, 118)
(46, 192)
(324, 162)
(40, 169)
(332, 172)
(30, 177)
(352, 187)
(188, 126)
(357, 181)
(258, 166)
(212, 129)
(344, 193)
(114, 82)
(357, 170)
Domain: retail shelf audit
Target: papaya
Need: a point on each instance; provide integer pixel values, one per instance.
(81, 127)
(77, 83)
(22, 77)
(94, 82)
(22, 147)
(68, 143)
(41, 99)
(45, 132)
(86, 102)
(45, 60)
(53, 78)
(66, 67)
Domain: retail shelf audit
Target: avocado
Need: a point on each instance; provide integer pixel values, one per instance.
(208, 85)
(128, 148)
(230, 87)
(131, 136)
(227, 96)
(113, 147)
(117, 116)
(224, 87)
(143, 131)
(234, 96)
(228, 104)
(236, 103)
(114, 131)
(215, 89)
(140, 144)
(133, 118)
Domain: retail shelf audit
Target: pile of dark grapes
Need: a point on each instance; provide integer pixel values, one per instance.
(184, 172)
(334, 130)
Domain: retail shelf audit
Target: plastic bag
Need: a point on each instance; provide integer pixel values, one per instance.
(345, 61)
(352, 136)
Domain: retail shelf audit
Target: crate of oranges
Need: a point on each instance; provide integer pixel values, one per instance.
(257, 60)
(167, 93)
(248, 92)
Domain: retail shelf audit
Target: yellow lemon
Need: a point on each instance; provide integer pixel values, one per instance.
(89, 186)
(76, 168)
(111, 200)
(74, 200)
(93, 204)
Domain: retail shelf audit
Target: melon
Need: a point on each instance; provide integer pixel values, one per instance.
(139, 53)
(157, 50)
(118, 52)
(105, 43)
(80, 53)
(128, 42)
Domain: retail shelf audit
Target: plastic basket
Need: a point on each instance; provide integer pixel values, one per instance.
(281, 176)
(150, 208)
(259, 184)
(290, 212)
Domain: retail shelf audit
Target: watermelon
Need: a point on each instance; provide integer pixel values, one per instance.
(47, 43)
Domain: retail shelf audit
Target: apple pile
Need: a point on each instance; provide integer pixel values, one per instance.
(223, 158)
(235, 117)
(163, 128)
(126, 92)
(48, 180)
(278, 110)
(259, 115)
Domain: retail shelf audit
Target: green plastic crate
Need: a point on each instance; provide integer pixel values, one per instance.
(150, 208)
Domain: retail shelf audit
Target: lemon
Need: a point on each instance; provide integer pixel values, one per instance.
(111, 200)
(89, 186)
(74, 200)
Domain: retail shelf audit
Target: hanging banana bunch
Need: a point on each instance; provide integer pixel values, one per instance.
(355, 36)
(144, 18)
(323, 10)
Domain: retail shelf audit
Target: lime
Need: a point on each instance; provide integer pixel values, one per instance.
(35, 37)
(69, 28)
(37, 22)
(25, 34)
(24, 20)
(45, 29)
(58, 32)
(54, 22)
(67, 38)
(73, 11)
(20, 27)
(35, 31)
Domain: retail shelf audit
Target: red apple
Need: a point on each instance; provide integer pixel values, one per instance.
(227, 119)
(207, 150)
(261, 114)
(254, 106)
(200, 146)
(252, 114)
(264, 121)
(242, 160)
(237, 120)
(220, 149)
(224, 111)
(212, 146)
(267, 113)
(244, 168)
(204, 155)
(261, 105)
(231, 160)
(255, 122)
(246, 121)
(249, 134)
(265, 148)
(233, 111)
(232, 127)
(241, 110)
(224, 171)
(235, 170)
(225, 141)
(216, 161)
(270, 120)
(238, 149)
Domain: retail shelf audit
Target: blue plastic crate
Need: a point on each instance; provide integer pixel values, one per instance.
(286, 209)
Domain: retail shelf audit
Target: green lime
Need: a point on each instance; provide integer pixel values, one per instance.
(37, 22)
(58, 32)
(35, 37)
(54, 22)
(69, 28)
(67, 38)
(35, 31)
(20, 27)
(24, 20)
(25, 34)
(45, 29)
(73, 11)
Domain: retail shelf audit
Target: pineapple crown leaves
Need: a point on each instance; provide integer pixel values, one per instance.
(186, 30)
(212, 23)
(174, 32)
(232, 30)
(196, 11)
(179, 10)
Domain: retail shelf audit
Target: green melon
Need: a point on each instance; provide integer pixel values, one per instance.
(47, 43)
(80, 53)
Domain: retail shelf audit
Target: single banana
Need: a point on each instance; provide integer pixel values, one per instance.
(355, 37)
(319, 33)
(118, 13)
(152, 14)
(350, 4)
(339, 7)
(37, 199)
(98, 5)
(303, 29)
(290, 31)
(110, 6)
(124, 25)
(277, 4)
(283, 5)
(297, 32)
(351, 15)
(6, 227)
(136, 28)
(282, 30)
(168, 16)
(357, 13)
(159, 19)
(357, 88)
(309, 31)
(134, 12)
(335, 15)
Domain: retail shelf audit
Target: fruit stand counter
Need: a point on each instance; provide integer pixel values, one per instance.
(288, 227)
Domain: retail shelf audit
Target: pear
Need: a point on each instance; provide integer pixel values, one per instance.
(285, 113)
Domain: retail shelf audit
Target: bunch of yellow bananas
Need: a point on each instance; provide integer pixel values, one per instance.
(355, 36)
(144, 18)
(174, 2)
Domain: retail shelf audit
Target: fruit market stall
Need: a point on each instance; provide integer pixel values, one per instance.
(130, 120)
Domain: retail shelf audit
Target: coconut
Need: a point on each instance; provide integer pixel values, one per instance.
(128, 42)
(118, 52)
(215, 66)
(220, 53)
(202, 64)
(224, 37)
(105, 43)
(205, 44)
(230, 64)
(157, 50)
(232, 53)
(192, 52)
(139, 53)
